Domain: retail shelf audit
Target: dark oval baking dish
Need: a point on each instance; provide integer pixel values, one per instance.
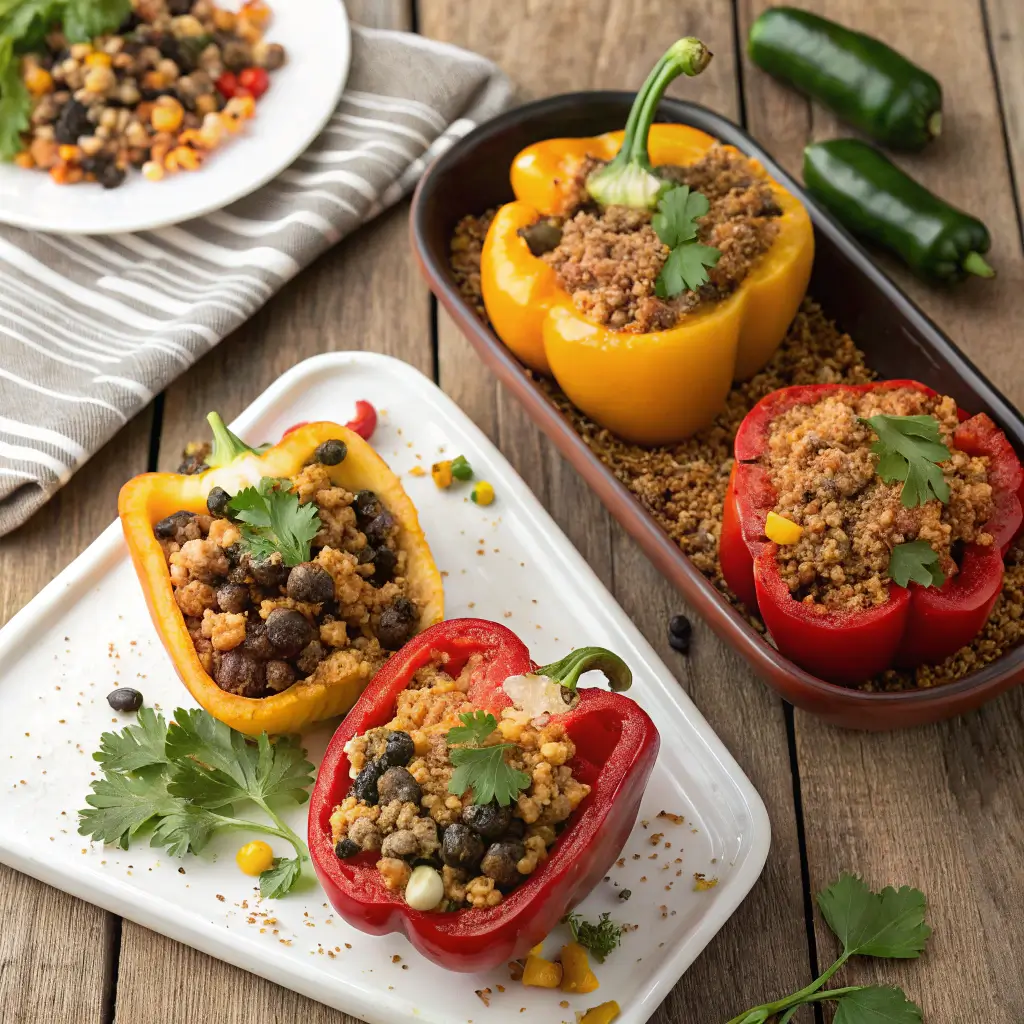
(898, 339)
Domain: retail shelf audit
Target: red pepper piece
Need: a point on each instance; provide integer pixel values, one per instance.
(364, 423)
(227, 84)
(616, 746)
(295, 426)
(917, 624)
(255, 80)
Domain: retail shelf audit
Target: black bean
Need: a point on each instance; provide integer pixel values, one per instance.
(236, 55)
(345, 848)
(125, 698)
(130, 24)
(280, 675)
(331, 452)
(516, 829)
(310, 582)
(110, 175)
(489, 820)
(365, 786)
(233, 597)
(238, 573)
(367, 505)
(240, 673)
(500, 860)
(679, 632)
(461, 847)
(398, 784)
(289, 631)
(256, 641)
(541, 236)
(311, 656)
(167, 527)
(399, 749)
(397, 624)
(384, 563)
(266, 571)
(380, 528)
(72, 122)
(366, 555)
(217, 502)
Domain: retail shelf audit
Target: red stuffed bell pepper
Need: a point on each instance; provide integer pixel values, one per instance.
(615, 742)
(916, 624)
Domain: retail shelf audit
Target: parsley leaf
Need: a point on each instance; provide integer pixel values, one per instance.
(909, 448)
(887, 924)
(183, 781)
(916, 560)
(485, 771)
(675, 223)
(135, 746)
(15, 102)
(877, 1004)
(601, 938)
(476, 727)
(84, 19)
(275, 520)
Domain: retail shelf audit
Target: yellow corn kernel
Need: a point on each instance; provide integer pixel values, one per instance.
(240, 106)
(483, 493)
(232, 123)
(223, 21)
(247, 30)
(442, 473)
(167, 114)
(541, 973)
(152, 170)
(782, 530)
(154, 80)
(97, 60)
(206, 104)
(38, 80)
(254, 858)
(603, 1014)
(256, 11)
(69, 154)
(576, 973)
(187, 159)
(24, 159)
(99, 80)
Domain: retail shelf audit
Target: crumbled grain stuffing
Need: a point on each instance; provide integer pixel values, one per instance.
(683, 485)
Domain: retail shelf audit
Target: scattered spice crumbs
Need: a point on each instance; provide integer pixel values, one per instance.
(702, 884)
(676, 819)
(485, 995)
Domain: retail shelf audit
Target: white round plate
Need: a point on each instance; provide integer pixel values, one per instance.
(289, 116)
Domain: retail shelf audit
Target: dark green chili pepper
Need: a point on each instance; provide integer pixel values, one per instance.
(874, 199)
(865, 82)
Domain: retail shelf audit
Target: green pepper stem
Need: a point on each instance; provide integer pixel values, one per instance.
(227, 447)
(568, 671)
(934, 124)
(974, 263)
(629, 179)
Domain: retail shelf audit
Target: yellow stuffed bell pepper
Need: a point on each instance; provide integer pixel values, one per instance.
(649, 388)
(147, 499)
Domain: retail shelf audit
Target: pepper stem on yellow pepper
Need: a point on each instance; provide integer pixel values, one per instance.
(629, 179)
(227, 447)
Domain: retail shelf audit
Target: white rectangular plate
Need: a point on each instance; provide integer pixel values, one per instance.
(88, 631)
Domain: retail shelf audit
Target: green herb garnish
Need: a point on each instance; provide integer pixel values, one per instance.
(483, 770)
(916, 560)
(461, 469)
(909, 449)
(23, 28)
(887, 924)
(601, 938)
(181, 784)
(675, 223)
(274, 520)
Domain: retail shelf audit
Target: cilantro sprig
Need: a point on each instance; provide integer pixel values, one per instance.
(273, 519)
(601, 938)
(483, 770)
(675, 223)
(182, 783)
(916, 561)
(909, 449)
(887, 924)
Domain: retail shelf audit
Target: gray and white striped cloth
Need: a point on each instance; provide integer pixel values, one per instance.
(92, 328)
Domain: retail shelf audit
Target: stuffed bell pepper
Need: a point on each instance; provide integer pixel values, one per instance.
(867, 524)
(280, 578)
(470, 798)
(646, 269)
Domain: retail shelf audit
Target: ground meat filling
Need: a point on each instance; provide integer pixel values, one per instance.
(609, 259)
(260, 626)
(400, 808)
(820, 461)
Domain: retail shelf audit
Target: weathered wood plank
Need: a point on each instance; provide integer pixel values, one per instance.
(931, 807)
(614, 45)
(57, 954)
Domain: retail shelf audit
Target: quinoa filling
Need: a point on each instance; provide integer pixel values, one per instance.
(401, 810)
(260, 626)
(608, 259)
(820, 461)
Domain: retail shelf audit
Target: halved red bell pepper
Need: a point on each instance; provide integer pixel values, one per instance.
(616, 746)
(917, 624)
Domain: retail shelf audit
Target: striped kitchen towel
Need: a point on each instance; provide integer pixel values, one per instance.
(92, 328)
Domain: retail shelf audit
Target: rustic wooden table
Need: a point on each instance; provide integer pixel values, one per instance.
(941, 808)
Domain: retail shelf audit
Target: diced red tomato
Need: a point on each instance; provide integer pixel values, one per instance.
(227, 84)
(256, 80)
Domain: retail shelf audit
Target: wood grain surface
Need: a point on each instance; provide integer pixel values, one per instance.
(940, 807)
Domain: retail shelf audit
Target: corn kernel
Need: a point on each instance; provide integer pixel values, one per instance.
(483, 493)
(167, 114)
(38, 80)
(99, 79)
(256, 11)
(98, 60)
(212, 131)
(782, 530)
(152, 170)
(206, 104)
(240, 106)
(81, 50)
(223, 21)
(24, 159)
(154, 80)
(187, 159)
(188, 27)
(442, 473)
(69, 153)
(232, 123)
(247, 30)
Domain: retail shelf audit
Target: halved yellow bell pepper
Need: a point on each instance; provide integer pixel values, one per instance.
(148, 498)
(647, 388)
